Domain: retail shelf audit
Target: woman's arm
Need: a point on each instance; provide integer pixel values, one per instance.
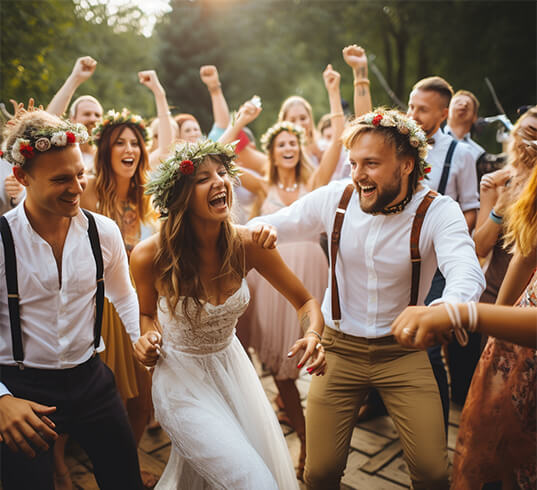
(323, 173)
(253, 183)
(165, 134)
(83, 69)
(209, 76)
(355, 57)
(272, 267)
(516, 278)
(422, 326)
(89, 199)
(147, 348)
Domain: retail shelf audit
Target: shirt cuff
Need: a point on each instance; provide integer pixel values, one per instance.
(4, 391)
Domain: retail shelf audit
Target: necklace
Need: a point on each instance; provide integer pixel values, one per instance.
(292, 188)
(397, 208)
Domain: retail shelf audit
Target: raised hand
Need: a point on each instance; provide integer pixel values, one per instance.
(248, 112)
(209, 76)
(83, 69)
(150, 79)
(12, 187)
(355, 57)
(19, 109)
(24, 425)
(331, 78)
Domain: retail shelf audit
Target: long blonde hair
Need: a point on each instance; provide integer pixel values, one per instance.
(292, 101)
(518, 151)
(521, 219)
(105, 182)
(178, 261)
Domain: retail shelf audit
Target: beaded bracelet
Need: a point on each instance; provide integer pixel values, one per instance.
(361, 81)
(495, 217)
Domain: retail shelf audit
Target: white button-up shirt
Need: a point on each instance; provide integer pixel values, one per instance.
(57, 323)
(462, 180)
(475, 149)
(373, 267)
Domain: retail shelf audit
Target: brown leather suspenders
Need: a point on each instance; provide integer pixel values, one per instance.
(414, 247)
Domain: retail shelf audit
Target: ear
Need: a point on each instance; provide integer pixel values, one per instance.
(407, 166)
(21, 176)
(445, 113)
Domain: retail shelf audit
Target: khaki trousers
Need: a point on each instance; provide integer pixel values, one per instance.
(406, 383)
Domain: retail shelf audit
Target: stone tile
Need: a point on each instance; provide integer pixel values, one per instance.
(396, 471)
(381, 425)
(153, 440)
(163, 454)
(452, 437)
(150, 463)
(382, 458)
(82, 478)
(455, 414)
(368, 442)
(355, 479)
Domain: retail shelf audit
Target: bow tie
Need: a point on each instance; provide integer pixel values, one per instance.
(430, 141)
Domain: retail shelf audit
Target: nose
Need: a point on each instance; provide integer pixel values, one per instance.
(78, 185)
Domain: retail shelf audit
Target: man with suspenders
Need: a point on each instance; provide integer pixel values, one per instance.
(387, 233)
(454, 174)
(56, 262)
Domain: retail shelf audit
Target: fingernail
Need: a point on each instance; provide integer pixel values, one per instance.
(309, 370)
(299, 365)
(289, 354)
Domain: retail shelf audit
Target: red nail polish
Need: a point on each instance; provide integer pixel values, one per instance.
(299, 366)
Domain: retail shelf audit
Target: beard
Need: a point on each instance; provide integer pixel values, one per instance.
(384, 198)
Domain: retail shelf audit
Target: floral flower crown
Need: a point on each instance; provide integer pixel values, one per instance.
(42, 139)
(404, 125)
(113, 118)
(185, 160)
(276, 129)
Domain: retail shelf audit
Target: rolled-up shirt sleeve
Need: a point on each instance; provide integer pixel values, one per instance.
(117, 283)
(456, 257)
(467, 188)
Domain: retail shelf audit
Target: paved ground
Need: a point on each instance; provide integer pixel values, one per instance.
(375, 460)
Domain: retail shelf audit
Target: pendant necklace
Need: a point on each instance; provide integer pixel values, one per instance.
(292, 188)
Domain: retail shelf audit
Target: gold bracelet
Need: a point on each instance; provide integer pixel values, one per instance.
(361, 81)
(337, 114)
(314, 333)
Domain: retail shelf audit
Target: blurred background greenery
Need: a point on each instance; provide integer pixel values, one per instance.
(273, 48)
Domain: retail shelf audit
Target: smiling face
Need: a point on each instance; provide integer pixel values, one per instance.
(212, 193)
(88, 113)
(125, 154)
(286, 150)
(54, 182)
(428, 109)
(190, 131)
(298, 114)
(380, 177)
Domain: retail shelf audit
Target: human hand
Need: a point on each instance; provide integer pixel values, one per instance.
(12, 187)
(331, 78)
(83, 69)
(19, 110)
(247, 113)
(147, 348)
(313, 350)
(422, 326)
(356, 58)
(150, 79)
(265, 236)
(24, 425)
(209, 76)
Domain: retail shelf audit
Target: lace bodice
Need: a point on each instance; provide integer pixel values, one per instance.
(214, 330)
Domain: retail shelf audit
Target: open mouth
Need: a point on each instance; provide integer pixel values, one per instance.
(367, 190)
(128, 162)
(72, 202)
(219, 201)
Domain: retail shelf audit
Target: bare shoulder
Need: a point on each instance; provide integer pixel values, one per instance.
(144, 253)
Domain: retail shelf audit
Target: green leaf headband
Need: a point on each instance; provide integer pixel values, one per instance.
(185, 160)
(41, 139)
(113, 118)
(276, 129)
(405, 125)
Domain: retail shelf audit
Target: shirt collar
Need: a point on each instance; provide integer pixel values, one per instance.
(449, 131)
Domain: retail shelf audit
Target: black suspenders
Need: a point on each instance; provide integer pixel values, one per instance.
(447, 165)
(10, 265)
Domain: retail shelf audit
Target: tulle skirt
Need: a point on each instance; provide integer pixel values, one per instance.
(223, 430)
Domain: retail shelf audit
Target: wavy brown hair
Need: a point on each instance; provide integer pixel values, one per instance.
(105, 182)
(518, 151)
(177, 260)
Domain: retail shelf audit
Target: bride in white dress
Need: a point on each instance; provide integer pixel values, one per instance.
(190, 280)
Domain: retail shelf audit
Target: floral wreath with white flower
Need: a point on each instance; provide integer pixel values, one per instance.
(113, 118)
(405, 125)
(183, 163)
(43, 139)
(276, 129)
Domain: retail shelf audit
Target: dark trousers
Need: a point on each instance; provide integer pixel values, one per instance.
(90, 410)
(435, 353)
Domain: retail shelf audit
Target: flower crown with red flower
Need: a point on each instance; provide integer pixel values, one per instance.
(183, 163)
(404, 125)
(113, 118)
(43, 139)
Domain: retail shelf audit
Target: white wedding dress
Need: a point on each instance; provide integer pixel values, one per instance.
(209, 400)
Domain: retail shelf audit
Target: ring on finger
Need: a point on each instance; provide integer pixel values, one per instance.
(318, 346)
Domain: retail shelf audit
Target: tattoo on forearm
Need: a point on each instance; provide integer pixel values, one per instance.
(305, 322)
(361, 72)
(361, 91)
